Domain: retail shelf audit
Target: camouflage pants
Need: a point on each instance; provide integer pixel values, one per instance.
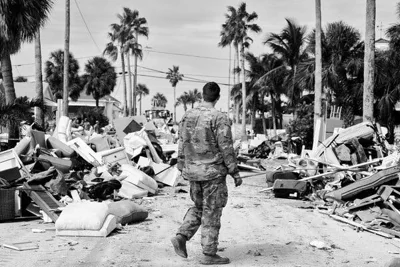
(209, 198)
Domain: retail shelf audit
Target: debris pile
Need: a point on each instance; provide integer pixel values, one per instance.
(354, 174)
(83, 183)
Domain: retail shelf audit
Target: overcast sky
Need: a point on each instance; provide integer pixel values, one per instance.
(185, 27)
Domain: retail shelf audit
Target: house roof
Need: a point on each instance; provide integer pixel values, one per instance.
(381, 41)
(28, 89)
(84, 96)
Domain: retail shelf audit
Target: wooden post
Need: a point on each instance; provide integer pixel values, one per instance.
(59, 110)
(318, 122)
(66, 58)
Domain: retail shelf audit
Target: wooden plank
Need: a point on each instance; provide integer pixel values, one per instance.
(344, 220)
(44, 200)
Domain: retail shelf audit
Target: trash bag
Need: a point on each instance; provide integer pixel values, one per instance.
(52, 179)
(262, 151)
(104, 190)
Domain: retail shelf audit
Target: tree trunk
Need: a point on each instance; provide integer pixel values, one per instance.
(66, 58)
(294, 100)
(8, 83)
(129, 93)
(135, 78)
(140, 104)
(273, 113)
(174, 104)
(237, 112)
(237, 62)
(97, 102)
(264, 124)
(253, 115)
(124, 100)
(369, 62)
(39, 115)
(229, 81)
(244, 109)
(184, 107)
(318, 72)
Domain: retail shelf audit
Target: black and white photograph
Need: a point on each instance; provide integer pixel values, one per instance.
(188, 133)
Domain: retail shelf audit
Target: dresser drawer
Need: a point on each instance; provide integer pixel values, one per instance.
(115, 155)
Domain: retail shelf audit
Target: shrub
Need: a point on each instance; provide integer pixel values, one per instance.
(303, 126)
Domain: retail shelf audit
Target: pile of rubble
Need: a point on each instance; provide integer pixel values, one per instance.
(353, 176)
(85, 185)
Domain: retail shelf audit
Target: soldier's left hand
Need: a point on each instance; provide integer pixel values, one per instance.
(238, 181)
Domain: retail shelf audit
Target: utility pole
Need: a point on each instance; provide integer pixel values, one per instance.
(369, 61)
(39, 115)
(318, 76)
(66, 58)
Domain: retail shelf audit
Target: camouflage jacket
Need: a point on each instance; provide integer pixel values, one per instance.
(205, 145)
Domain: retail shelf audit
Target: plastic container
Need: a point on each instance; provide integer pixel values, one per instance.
(131, 191)
(138, 178)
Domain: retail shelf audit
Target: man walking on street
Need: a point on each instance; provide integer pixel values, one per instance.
(205, 157)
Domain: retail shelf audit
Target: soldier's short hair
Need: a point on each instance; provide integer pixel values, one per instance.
(211, 91)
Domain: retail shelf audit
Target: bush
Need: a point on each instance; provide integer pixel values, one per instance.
(93, 115)
(303, 126)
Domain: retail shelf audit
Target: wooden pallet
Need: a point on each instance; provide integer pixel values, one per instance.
(44, 200)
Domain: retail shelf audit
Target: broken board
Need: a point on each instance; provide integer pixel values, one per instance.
(44, 200)
(21, 246)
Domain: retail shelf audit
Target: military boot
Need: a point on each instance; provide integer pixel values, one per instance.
(214, 260)
(179, 243)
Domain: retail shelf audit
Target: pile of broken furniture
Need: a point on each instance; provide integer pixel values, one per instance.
(85, 187)
(354, 174)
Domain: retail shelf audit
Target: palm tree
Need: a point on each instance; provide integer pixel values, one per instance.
(20, 22)
(119, 35)
(159, 100)
(184, 100)
(133, 48)
(99, 79)
(393, 32)
(289, 44)
(387, 89)
(137, 26)
(141, 91)
(39, 114)
(54, 75)
(369, 62)
(194, 96)
(267, 75)
(237, 25)
(387, 79)
(342, 65)
(227, 38)
(236, 95)
(174, 77)
(66, 58)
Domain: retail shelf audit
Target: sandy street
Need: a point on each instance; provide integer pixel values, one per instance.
(257, 230)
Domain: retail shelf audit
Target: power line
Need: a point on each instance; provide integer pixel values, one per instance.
(184, 55)
(33, 63)
(194, 80)
(148, 50)
(84, 21)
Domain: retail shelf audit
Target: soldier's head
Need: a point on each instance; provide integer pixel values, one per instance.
(211, 92)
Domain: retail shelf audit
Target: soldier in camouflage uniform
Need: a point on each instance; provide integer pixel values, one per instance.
(205, 157)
